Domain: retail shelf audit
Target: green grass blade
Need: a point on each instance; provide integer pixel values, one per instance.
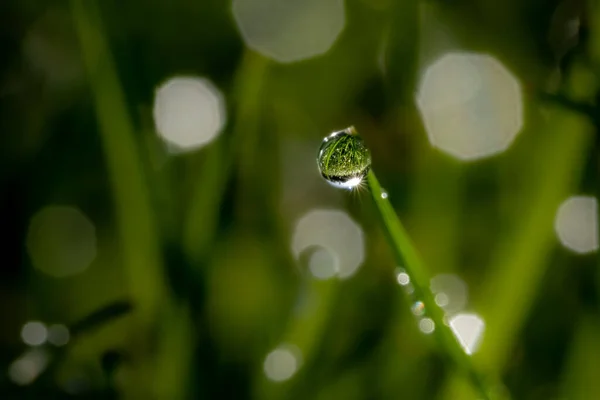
(132, 202)
(407, 256)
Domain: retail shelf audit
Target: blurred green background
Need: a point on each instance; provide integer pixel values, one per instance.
(166, 233)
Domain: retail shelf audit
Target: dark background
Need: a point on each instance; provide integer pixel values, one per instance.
(193, 282)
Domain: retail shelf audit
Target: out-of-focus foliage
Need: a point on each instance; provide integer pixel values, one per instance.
(172, 229)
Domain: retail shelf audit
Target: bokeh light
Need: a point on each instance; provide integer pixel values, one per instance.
(426, 325)
(402, 278)
(61, 241)
(289, 30)
(418, 308)
(282, 363)
(576, 224)
(51, 51)
(335, 231)
(470, 104)
(25, 369)
(58, 335)
(34, 333)
(189, 112)
(322, 264)
(468, 329)
(450, 292)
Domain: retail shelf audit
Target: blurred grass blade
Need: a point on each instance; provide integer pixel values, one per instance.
(132, 204)
(521, 259)
(407, 257)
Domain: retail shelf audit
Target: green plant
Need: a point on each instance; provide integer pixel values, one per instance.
(344, 153)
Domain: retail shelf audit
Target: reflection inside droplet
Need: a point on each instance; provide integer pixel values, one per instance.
(343, 159)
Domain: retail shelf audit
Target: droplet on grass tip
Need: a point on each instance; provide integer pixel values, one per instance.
(344, 160)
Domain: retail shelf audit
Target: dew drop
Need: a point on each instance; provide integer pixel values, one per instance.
(384, 195)
(343, 159)
(418, 308)
(402, 278)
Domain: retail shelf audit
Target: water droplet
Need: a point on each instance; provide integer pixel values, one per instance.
(343, 159)
(384, 195)
(418, 308)
(426, 325)
(402, 278)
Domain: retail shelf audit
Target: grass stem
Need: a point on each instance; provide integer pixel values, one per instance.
(407, 256)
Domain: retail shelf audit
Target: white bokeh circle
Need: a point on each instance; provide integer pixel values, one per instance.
(470, 104)
(289, 30)
(189, 112)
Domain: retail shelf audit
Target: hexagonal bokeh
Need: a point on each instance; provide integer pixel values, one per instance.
(189, 112)
(471, 105)
(576, 224)
(289, 30)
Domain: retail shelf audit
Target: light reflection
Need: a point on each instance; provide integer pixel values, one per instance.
(402, 278)
(426, 325)
(58, 335)
(25, 369)
(470, 104)
(61, 241)
(334, 231)
(576, 224)
(468, 329)
(451, 292)
(289, 30)
(282, 363)
(441, 299)
(189, 112)
(322, 264)
(34, 333)
(418, 308)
